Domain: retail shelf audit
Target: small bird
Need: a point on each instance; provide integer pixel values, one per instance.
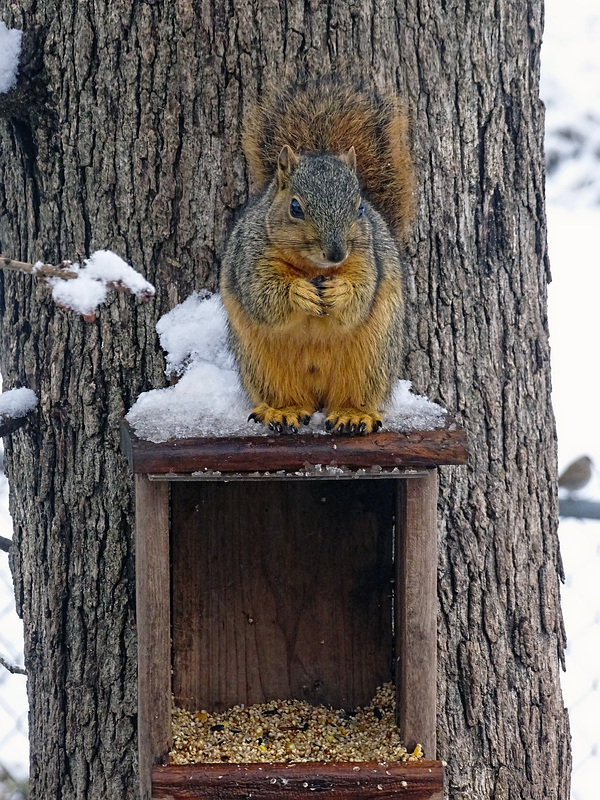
(576, 475)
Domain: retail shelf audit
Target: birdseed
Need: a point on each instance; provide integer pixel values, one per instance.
(290, 730)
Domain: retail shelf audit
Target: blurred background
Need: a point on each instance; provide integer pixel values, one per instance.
(571, 92)
(14, 751)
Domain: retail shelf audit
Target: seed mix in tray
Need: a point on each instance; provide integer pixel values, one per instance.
(290, 730)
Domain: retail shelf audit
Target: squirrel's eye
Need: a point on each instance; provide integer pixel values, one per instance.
(296, 209)
(360, 211)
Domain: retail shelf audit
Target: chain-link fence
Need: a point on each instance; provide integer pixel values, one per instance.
(580, 547)
(14, 748)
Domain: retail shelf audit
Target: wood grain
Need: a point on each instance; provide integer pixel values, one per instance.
(270, 453)
(281, 591)
(416, 612)
(153, 626)
(363, 781)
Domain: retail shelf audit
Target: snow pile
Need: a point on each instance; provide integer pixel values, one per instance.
(208, 400)
(195, 330)
(16, 403)
(10, 52)
(569, 88)
(408, 411)
(82, 294)
(101, 271)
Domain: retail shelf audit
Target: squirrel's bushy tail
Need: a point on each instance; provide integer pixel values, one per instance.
(332, 116)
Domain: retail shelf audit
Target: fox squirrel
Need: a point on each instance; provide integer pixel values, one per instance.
(311, 278)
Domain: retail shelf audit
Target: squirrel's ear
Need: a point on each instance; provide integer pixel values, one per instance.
(286, 163)
(349, 157)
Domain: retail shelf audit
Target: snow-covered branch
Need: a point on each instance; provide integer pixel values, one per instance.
(83, 288)
(15, 405)
(16, 670)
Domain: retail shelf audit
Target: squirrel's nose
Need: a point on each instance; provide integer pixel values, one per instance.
(335, 253)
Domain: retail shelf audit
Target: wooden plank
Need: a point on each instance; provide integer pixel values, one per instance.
(360, 781)
(270, 453)
(416, 612)
(153, 626)
(281, 591)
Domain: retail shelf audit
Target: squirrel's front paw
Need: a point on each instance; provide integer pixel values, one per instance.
(336, 293)
(353, 421)
(305, 296)
(281, 420)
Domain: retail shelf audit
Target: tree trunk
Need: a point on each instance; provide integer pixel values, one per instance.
(129, 139)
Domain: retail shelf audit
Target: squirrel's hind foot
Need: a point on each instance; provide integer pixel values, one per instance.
(354, 421)
(281, 420)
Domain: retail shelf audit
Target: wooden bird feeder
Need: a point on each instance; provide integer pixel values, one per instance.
(288, 567)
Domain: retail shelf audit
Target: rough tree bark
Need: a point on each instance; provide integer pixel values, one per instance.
(127, 137)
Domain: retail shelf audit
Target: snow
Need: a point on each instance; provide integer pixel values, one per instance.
(313, 471)
(575, 334)
(408, 411)
(570, 90)
(574, 327)
(107, 267)
(102, 270)
(17, 403)
(10, 52)
(82, 294)
(195, 330)
(570, 81)
(14, 751)
(208, 399)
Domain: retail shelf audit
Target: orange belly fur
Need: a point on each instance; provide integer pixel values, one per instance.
(312, 362)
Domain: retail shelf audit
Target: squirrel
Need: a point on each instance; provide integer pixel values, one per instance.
(311, 278)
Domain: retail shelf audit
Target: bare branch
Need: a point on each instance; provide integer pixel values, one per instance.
(579, 509)
(9, 425)
(16, 670)
(5, 544)
(44, 271)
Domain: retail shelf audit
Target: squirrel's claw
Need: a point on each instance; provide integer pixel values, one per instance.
(280, 420)
(353, 421)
